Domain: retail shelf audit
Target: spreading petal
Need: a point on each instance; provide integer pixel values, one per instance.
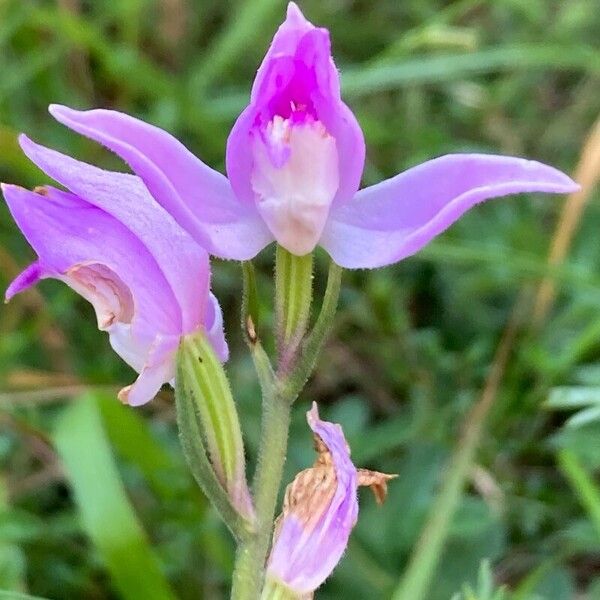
(184, 264)
(199, 198)
(389, 221)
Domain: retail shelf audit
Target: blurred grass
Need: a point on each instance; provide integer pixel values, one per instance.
(413, 344)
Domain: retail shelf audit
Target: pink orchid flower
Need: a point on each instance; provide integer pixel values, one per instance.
(108, 239)
(295, 159)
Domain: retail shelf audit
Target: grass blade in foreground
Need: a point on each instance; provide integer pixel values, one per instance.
(107, 516)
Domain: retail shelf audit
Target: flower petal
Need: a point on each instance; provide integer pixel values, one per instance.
(199, 198)
(213, 323)
(184, 263)
(389, 221)
(24, 280)
(103, 261)
(284, 42)
(67, 233)
(159, 368)
(297, 74)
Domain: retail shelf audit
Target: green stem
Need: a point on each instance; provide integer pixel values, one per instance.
(279, 392)
(252, 552)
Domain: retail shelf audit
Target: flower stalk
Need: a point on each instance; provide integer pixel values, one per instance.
(252, 551)
(279, 391)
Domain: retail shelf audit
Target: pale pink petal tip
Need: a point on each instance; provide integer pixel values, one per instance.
(294, 14)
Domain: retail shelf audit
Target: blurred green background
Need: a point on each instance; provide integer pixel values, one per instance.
(95, 499)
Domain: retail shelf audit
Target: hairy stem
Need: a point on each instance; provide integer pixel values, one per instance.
(252, 552)
(279, 392)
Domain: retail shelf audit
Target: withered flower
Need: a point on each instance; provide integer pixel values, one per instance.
(320, 509)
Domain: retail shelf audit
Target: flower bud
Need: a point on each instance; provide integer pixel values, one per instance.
(207, 417)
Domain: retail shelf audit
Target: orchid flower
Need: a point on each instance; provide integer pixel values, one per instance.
(108, 239)
(295, 159)
(320, 509)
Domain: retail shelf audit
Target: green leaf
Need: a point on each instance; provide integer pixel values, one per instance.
(568, 398)
(106, 513)
(435, 69)
(583, 485)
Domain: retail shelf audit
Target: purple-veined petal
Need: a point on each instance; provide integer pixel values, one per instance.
(199, 198)
(183, 263)
(391, 220)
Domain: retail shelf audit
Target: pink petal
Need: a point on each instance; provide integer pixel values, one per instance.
(298, 70)
(389, 221)
(199, 198)
(24, 280)
(303, 558)
(213, 323)
(65, 232)
(183, 263)
(158, 369)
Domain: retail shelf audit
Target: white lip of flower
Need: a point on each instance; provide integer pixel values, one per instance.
(294, 199)
(111, 298)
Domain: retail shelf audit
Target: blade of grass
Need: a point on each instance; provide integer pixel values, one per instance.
(18, 596)
(245, 21)
(436, 69)
(106, 513)
(582, 484)
(419, 574)
(166, 473)
(364, 81)
(523, 264)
